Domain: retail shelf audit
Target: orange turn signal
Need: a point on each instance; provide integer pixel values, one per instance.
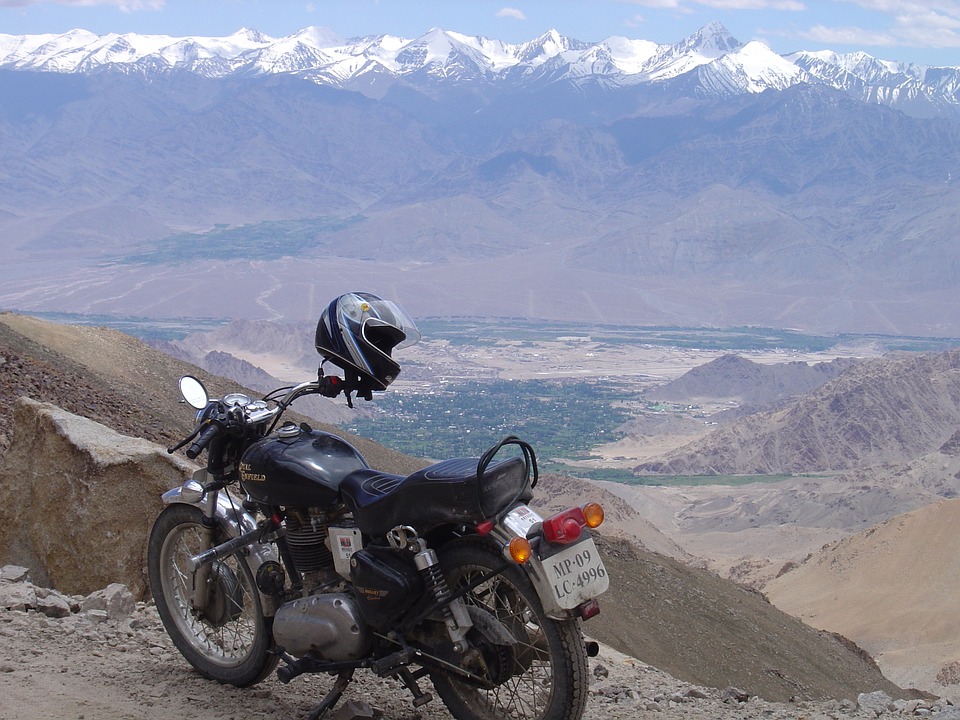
(520, 550)
(593, 514)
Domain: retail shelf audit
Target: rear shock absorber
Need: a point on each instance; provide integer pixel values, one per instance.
(454, 613)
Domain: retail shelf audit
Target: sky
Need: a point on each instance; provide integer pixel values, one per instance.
(917, 31)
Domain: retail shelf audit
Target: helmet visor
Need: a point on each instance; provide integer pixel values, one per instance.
(363, 307)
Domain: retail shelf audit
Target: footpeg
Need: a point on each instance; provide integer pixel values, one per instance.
(288, 672)
(385, 666)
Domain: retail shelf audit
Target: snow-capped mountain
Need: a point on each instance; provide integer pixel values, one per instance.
(716, 62)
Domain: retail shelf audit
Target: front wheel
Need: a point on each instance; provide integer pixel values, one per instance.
(544, 677)
(228, 640)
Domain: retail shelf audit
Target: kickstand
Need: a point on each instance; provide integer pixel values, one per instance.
(420, 698)
(332, 697)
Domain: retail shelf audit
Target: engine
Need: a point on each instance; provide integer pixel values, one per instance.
(329, 626)
(349, 588)
(327, 623)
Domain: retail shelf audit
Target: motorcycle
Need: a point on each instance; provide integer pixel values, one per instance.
(286, 549)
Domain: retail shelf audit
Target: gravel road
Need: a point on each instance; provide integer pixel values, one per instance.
(104, 657)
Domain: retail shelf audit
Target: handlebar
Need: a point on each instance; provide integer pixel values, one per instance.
(227, 419)
(206, 436)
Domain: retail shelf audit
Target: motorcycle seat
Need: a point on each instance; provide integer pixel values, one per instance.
(447, 492)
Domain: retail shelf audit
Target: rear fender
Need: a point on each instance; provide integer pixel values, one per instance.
(559, 597)
(233, 520)
(536, 572)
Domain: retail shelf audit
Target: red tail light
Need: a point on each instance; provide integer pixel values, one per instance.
(564, 527)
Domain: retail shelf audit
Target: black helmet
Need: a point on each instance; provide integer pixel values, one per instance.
(358, 331)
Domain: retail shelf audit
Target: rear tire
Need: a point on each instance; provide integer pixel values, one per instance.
(229, 640)
(548, 679)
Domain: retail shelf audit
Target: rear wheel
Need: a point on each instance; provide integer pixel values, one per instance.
(226, 641)
(543, 676)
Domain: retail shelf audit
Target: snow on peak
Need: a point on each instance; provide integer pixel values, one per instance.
(253, 38)
(722, 64)
(318, 37)
(629, 56)
(436, 47)
(546, 47)
(754, 67)
(713, 40)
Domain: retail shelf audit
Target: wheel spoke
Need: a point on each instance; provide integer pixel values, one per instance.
(227, 640)
(525, 695)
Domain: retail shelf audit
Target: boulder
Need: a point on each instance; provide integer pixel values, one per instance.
(875, 703)
(14, 573)
(17, 596)
(77, 500)
(115, 599)
(53, 604)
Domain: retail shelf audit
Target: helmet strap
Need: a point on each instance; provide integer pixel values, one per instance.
(331, 385)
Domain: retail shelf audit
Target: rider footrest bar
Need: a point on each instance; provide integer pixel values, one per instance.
(385, 666)
(292, 669)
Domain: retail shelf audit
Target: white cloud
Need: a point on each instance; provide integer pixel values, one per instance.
(509, 12)
(654, 3)
(792, 5)
(683, 5)
(122, 5)
(896, 7)
(912, 23)
(847, 36)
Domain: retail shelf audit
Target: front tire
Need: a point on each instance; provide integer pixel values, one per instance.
(229, 640)
(548, 678)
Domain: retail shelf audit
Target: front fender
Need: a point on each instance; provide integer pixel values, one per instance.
(232, 519)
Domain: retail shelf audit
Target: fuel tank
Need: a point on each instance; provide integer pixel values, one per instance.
(298, 467)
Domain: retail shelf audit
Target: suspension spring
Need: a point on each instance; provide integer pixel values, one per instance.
(436, 583)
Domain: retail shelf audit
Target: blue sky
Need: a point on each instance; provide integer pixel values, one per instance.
(922, 31)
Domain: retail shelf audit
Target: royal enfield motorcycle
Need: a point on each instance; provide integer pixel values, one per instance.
(287, 551)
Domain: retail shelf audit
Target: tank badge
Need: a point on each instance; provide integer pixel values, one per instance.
(247, 475)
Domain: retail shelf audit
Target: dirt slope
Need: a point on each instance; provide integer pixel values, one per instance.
(713, 632)
(893, 589)
(119, 381)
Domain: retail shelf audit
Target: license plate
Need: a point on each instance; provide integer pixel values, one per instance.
(576, 574)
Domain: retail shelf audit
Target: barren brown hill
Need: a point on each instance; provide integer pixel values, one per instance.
(701, 627)
(119, 381)
(732, 377)
(884, 410)
(892, 589)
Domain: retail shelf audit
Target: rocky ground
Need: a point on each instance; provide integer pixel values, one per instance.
(107, 657)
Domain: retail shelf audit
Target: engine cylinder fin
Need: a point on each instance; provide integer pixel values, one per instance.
(308, 546)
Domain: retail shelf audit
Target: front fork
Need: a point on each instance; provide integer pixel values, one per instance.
(221, 512)
(201, 577)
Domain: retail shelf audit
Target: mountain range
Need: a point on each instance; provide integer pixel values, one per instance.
(883, 411)
(713, 63)
(708, 182)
